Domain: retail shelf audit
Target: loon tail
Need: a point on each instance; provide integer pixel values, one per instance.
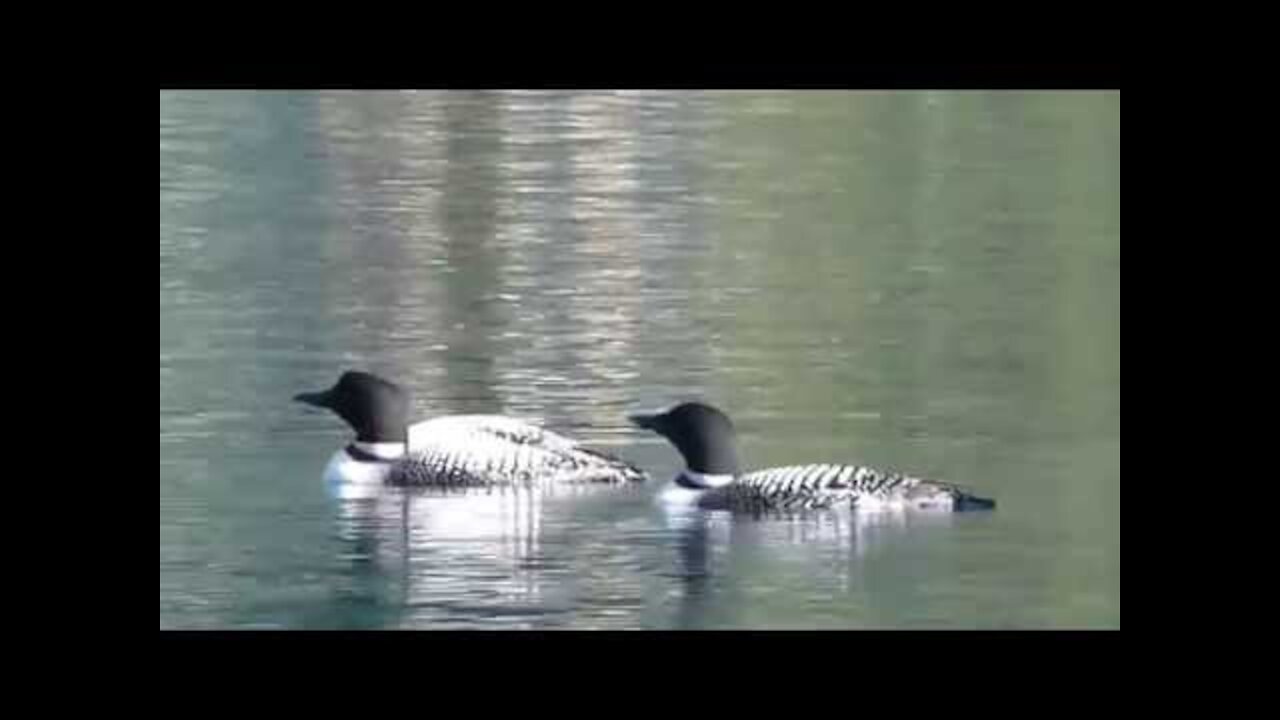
(932, 493)
(626, 471)
(964, 501)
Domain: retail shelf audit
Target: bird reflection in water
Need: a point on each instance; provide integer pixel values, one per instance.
(478, 557)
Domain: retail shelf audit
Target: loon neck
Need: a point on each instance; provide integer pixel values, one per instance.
(375, 451)
(702, 481)
(709, 455)
(385, 434)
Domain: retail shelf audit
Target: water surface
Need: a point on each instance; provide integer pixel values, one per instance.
(922, 281)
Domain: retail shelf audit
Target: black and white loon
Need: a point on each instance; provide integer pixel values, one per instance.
(712, 478)
(453, 450)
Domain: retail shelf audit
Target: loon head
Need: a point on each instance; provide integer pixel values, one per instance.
(703, 435)
(376, 409)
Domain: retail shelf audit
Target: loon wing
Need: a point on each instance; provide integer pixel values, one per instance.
(822, 486)
(478, 450)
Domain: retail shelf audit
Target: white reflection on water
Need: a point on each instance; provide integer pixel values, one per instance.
(479, 557)
(485, 558)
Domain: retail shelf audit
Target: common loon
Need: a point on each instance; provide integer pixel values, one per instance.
(712, 478)
(450, 451)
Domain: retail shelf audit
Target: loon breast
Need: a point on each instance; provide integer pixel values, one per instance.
(347, 476)
(487, 450)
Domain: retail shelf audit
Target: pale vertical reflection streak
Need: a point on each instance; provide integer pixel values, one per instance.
(390, 157)
(610, 219)
(383, 153)
(569, 162)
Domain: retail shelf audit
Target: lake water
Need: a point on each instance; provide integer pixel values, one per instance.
(921, 281)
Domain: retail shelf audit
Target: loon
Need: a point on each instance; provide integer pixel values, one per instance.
(453, 450)
(712, 478)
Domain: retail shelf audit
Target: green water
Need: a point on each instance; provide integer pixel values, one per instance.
(928, 282)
